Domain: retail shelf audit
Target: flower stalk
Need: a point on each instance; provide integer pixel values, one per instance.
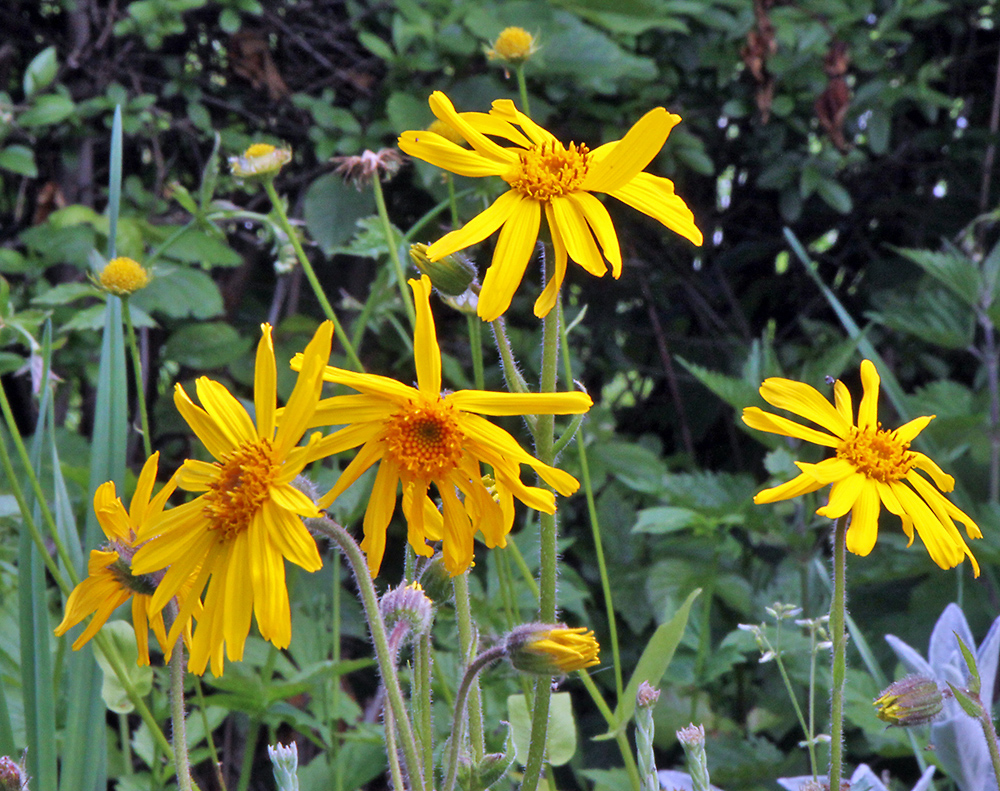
(838, 634)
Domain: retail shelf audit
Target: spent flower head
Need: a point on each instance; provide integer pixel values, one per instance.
(122, 276)
(513, 46)
(549, 650)
(873, 466)
(547, 177)
(369, 165)
(260, 160)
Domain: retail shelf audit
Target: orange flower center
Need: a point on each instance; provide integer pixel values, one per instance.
(878, 454)
(549, 170)
(424, 439)
(243, 485)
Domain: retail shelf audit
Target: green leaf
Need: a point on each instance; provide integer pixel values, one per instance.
(180, 292)
(970, 705)
(198, 247)
(64, 294)
(634, 465)
(653, 663)
(332, 210)
(835, 196)
(877, 129)
(970, 662)
(736, 392)
(560, 741)
(376, 46)
(122, 638)
(47, 110)
(665, 519)
(932, 315)
(19, 159)
(205, 346)
(40, 72)
(950, 268)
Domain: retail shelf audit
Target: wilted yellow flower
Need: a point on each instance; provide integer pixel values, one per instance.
(419, 436)
(260, 159)
(248, 520)
(123, 276)
(548, 177)
(110, 582)
(872, 467)
(514, 45)
(552, 650)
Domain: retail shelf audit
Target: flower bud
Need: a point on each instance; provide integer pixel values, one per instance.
(514, 45)
(914, 700)
(259, 160)
(436, 580)
(408, 603)
(12, 775)
(548, 650)
(123, 276)
(452, 275)
(285, 764)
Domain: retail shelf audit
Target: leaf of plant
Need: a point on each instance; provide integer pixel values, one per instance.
(561, 737)
(969, 704)
(19, 159)
(653, 663)
(122, 637)
(950, 268)
(205, 346)
(970, 661)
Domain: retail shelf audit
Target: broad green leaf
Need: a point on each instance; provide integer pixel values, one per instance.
(332, 209)
(19, 159)
(951, 268)
(653, 663)
(47, 110)
(121, 635)
(634, 465)
(665, 519)
(40, 72)
(180, 292)
(64, 294)
(560, 742)
(736, 392)
(835, 196)
(205, 346)
(932, 315)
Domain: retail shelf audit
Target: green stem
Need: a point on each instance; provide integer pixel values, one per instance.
(213, 753)
(476, 351)
(511, 373)
(335, 694)
(522, 565)
(182, 763)
(249, 753)
(838, 634)
(487, 657)
(548, 554)
(798, 709)
(422, 702)
(609, 717)
(383, 654)
(522, 87)
(595, 524)
(279, 209)
(452, 199)
(140, 387)
(467, 644)
(991, 741)
(391, 752)
(390, 242)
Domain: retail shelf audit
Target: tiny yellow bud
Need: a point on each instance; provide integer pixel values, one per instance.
(514, 45)
(123, 276)
(260, 159)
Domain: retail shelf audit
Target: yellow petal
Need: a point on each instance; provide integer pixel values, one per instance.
(225, 410)
(806, 401)
(801, 484)
(828, 470)
(493, 125)
(654, 197)
(600, 223)
(478, 228)
(908, 431)
(270, 592)
(842, 401)
(370, 453)
(426, 352)
(265, 384)
(372, 384)
(547, 299)
(440, 151)
(775, 424)
(510, 259)
(843, 495)
(576, 234)
(863, 532)
(944, 550)
(239, 597)
(623, 162)
(143, 490)
(292, 539)
(308, 386)
(485, 402)
(197, 476)
(111, 513)
(204, 427)
(941, 479)
(507, 111)
(294, 501)
(458, 532)
(342, 410)
(442, 108)
(381, 504)
(868, 411)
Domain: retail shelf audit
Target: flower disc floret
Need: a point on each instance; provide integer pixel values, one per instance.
(872, 467)
(550, 169)
(242, 487)
(514, 45)
(123, 276)
(424, 439)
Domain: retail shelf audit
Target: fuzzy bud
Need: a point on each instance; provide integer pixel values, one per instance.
(409, 604)
(547, 650)
(451, 275)
(914, 700)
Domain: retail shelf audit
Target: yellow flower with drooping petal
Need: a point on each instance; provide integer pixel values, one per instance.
(110, 582)
(552, 650)
(419, 436)
(873, 467)
(548, 177)
(249, 517)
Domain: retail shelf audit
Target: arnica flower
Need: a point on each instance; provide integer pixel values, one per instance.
(514, 45)
(110, 582)
(552, 650)
(914, 700)
(873, 466)
(419, 436)
(123, 276)
(260, 159)
(548, 177)
(248, 520)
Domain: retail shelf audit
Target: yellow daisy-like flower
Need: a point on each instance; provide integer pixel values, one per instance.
(873, 467)
(419, 436)
(260, 159)
(514, 45)
(546, 176)
(110, 582)
(552, 650)
(123, 276)
(249, 518)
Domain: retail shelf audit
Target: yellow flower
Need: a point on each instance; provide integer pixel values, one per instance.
(546, 176)
(123, 276)
(419, 436)
(514, 45)
(873, 466)
(248, 519)
(552, 650)
(260, 159)
(110, 581)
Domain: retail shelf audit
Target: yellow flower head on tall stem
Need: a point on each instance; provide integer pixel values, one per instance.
(420, 435)
(110, 582)
(548, 177)
(872, 467)
(248, 519)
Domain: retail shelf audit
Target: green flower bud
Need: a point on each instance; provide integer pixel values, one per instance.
(914, 700)
(547, 650)
(452, 275)
(408, 603)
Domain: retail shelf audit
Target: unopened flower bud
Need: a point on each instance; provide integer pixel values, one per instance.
(285, 764)
(514, 45)
(12, 775)
(123, 276)
(436, 580)
(547, 650)
(408, 603)
(914, 700)
(451, 275)
(259, 160)
(646, 696)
